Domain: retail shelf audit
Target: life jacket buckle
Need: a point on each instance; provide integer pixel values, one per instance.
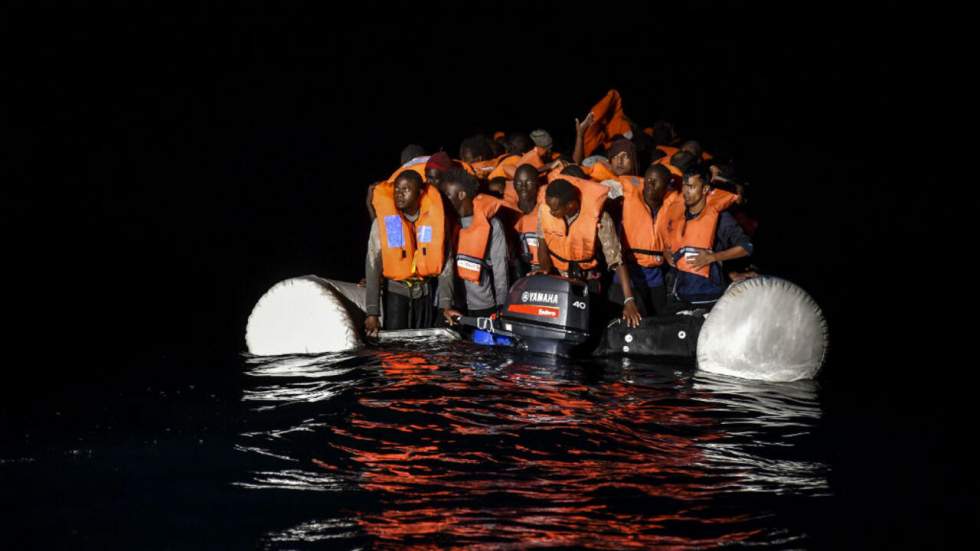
(415, 287)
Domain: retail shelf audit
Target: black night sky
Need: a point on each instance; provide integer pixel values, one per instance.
(172, 166)
(164, 168)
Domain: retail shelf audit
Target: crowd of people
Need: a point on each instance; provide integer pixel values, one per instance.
(651, 223)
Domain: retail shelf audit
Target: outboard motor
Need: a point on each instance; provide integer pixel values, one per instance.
(545, 314)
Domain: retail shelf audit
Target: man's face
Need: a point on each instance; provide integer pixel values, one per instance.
(526, 186)
(654, 188)
(456, 196)
(562, 211)
(407, 195)
(433, 177)
(469, 156)
(695, 189)
(621, 163)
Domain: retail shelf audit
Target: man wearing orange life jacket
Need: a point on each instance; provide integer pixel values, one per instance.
(539, 155)
(570, 223)
(529, 196)
(623, 158)
(476, 151)
(698, 238)
(543, 145)
(411, 153)
(643, 249)
(518, 144)
(481, 248)
(407, 248)
(723, 195)
(502, 176)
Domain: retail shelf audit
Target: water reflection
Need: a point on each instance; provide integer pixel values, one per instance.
(467, 446)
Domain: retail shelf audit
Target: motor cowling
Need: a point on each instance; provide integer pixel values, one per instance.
(549, 314)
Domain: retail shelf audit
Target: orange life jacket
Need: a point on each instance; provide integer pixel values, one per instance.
(471, 246)
(506, 167)
(410, 250)
(483, 169)
(575, 243)
(683, 235)
(511, 200)
(535, 157)
(417, 164)
(527, 227)
(510, 192)
(509, 168)
(600, 171)
(527, 234)
(660, 224)
(467, 167)
(641, 243)
(720, 199)
(665, 160)
(553, 175)
(609, 120)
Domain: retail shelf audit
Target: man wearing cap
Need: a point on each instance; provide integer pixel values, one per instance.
(436, 167)
(542, 145)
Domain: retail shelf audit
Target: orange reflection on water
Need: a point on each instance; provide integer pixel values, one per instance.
(534, 460)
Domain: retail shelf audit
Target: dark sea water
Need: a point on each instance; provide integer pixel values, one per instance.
(469, 447)
(457, 445)
(425, 443)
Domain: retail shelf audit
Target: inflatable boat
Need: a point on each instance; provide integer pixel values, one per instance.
(762, 328)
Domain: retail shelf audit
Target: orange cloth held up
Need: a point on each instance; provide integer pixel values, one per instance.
(609, 120)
